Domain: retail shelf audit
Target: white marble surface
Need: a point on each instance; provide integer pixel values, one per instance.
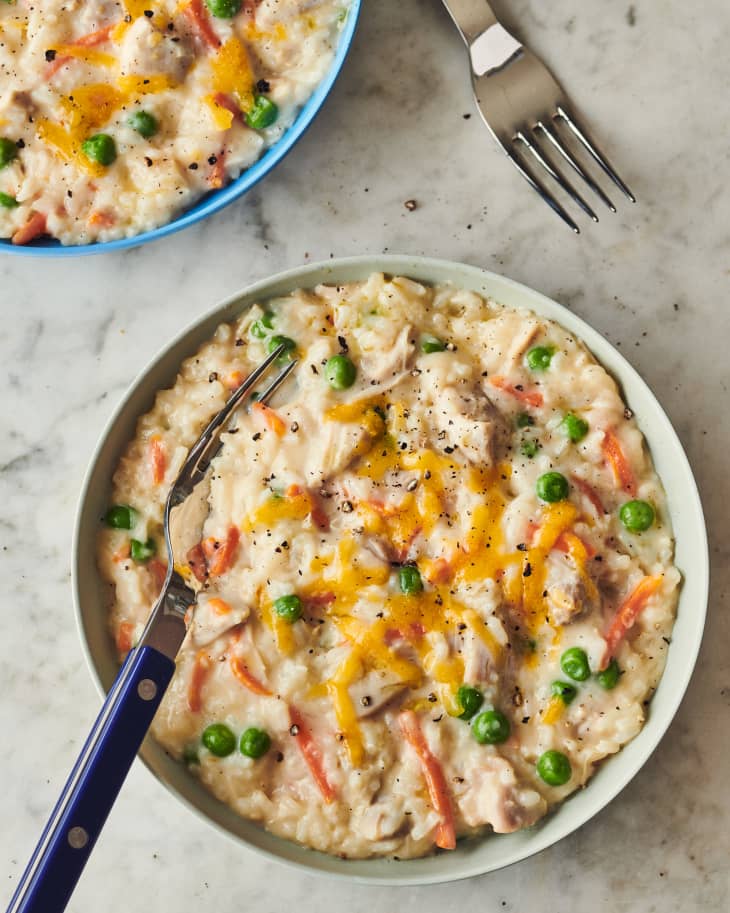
(654, 76)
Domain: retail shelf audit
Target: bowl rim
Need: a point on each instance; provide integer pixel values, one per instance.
(465, 861)
(214, 201)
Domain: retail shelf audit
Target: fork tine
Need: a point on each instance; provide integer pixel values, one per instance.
(603, 162)
(277, 382)
(537, 154)
(574, 164)
(539, 188)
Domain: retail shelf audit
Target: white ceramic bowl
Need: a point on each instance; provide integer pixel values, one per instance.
(475, 856)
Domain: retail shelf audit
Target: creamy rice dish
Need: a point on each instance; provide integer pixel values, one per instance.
(116, 115)
(437, 571)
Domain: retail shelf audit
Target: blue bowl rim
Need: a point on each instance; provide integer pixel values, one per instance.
(217, 200)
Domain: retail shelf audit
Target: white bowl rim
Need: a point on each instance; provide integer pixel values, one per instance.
(584, 804)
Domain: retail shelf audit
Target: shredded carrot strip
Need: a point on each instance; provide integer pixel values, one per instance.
(199, 20)
(85, 41)
(529, 397)
(219, 606)
(197, 562)
(590, 492)
(158, 459)
(33, 228)
(240, 670)
(562, 544)
(94, 38)
(101, 219)
(158, 569)
(621, 467)
(316, 510)
(201, 670)
(122, 554)
(125, 632)
(272, 420)
(438, 571)
(311, 754)
(222, 557)
(435, 779)
(628, 612)
(318, 600)
(216, 180)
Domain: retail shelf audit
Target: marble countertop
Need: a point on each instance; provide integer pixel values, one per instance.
(653, 76)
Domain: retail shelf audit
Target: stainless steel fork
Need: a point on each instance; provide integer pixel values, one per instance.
(112, 744)
(526, 110)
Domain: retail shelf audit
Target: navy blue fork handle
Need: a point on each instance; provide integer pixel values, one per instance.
(94, 783)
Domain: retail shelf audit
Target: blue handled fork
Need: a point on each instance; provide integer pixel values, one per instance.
(116, 736)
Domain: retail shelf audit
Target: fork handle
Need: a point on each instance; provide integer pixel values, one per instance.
(94, 783)
(472, 17)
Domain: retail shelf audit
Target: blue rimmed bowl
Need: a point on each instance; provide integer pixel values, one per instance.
(217, 200)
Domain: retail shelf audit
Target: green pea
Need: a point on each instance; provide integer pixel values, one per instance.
(263, 114)
(524, 420)
(289, 608)
(289, 346)
(142, 551)
(409, 579)
(100, 148)
(575, 428)
(431, 344)
(254, 743)
(8, 151)
(529, 449)
(219, 740)
(340, 372)
(608, 677)
(8, 202)
(223, 9)
(552, 487)
(563, 690)
(470, 700)
(144, 123)
(637, 516)
(574, 663)
(121, 516)
(539, 358)
(554, 768)
(491, 728)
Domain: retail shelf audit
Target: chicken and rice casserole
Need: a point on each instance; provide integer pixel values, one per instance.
(117, 115)
(437, 571)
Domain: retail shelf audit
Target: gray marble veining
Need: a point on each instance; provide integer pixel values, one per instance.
(652, 78)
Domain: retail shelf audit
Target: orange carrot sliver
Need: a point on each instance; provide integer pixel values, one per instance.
(435, 779)
(158, 460)
(101, 219)
(94, 38)
(219, 606)
(529, 397)
(197, 562)
(311, 754)
(621, 467)
(240, 670)
(198, 18)
(158, 569)
(562, 544)
(590, 492)
(273, 421)
(124, 636)
(628, 612)
(222, 557)
(201, 668)
(33, 228)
